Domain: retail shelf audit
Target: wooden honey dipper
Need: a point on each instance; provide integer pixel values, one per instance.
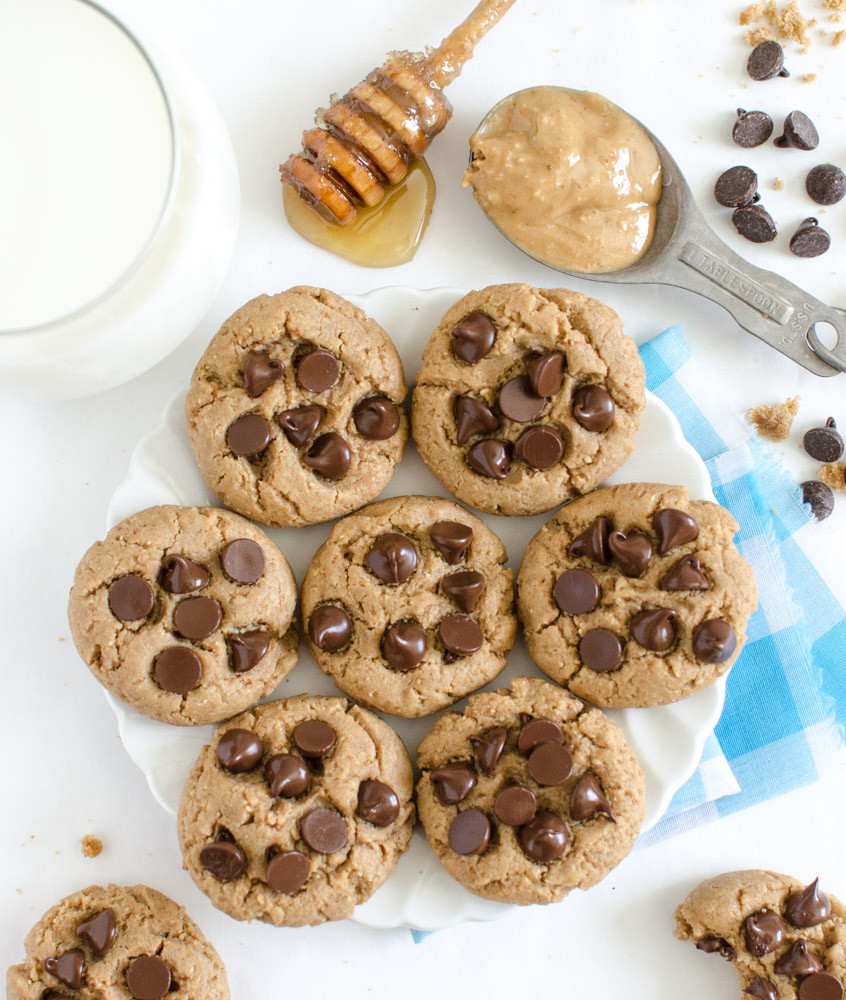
(366, 140)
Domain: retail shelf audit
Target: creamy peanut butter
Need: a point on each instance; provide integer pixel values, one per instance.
(569, 177)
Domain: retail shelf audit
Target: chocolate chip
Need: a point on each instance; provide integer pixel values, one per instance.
(472, 417)
(260, 372)
(469, 832)
(515, 805)
(752, 128)
(713, 944)
(632, 553)
(460, 634)
(593, 408)
(99, 931)
(797, 961)
(754, 223)
(673, 527)
(488, 747)
(766, 60)
(197, 617)
(249, 435)
(178, 669)
(473, 337)
(576, 592)
(826, 184)
(686, 574)
(451, 539)
(246, 649)
(131, 598)
(824, 444)
(654, 629)
(377, 803)
(300, 423)
(392, 558)
(550, 764)
(287, 871)
(820, 498)
(537, 731)
(453, 783)
(809, 240)
(324, 830)
(330, 455)
(224, 860)
(318, 370)
(600, 650)
(736, 186)
(314, 738)
(148, 978)
(465, 588)
(762, 988)
(546, 837)
(809, 907)
(242, 560)
(821, 986)
(490, 457)
(592, 543)
(799, 132)
(539, 447)
(546, 374)
(376, 418)
(329, 627)
(714, 640)
(588, 800)
(286, 775)
(404, 645)
(518, 401)
(239, 750)
(180, 575)
(764, 932)
(68, 968)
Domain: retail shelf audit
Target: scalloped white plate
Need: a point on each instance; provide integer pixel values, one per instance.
(667, 740)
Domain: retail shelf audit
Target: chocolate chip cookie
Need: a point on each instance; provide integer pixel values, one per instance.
(294, 410)
(526, 397)
(297, 811)
(785, 939)
(116, 943)
(408, 605)
(635, 595)
(185, 613)
(528, 794)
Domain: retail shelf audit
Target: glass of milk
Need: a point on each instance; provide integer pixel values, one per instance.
(119, 200)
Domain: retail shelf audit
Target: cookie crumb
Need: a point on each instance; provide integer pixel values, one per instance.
(833, 474)
(774, 421)
(91, 846)
(807, 78)
(778, 184)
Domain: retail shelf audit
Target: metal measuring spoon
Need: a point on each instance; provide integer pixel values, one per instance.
(687, 253)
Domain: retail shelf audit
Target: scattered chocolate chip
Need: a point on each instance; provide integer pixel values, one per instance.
(287, 871)
(600, 650)
(799, 132)
(469, 832)
(68, 968)
(632, 553)
(754, 223)
(593, 408)
(197, 617)
(224, 860)
(809, 907)
(736, 186)
(260, 372)
(539, 447)
(324, 830)
(826, 184)
(329, 627)
(99, 931)
(392, 558)
(465, 588)
(300, 423)
(249, 435)
(404, 645)
(318, 370)
(286, 775)
(246, 649)
(686, 574)
(131, 598)
(766, 60)
(376, 418)
(453, 783)
(490, 457)
(472, 417)
(673, 527)
(515, 805)
(314, 738)
(242, 560)
(178, 669)
(239, 750)
(764, 932)
(546, 374)
(473, 337)
(713, 944)
(451, 539)
(821, 986)
(592, 543)
(518, 401)
(654, 630)
(488, 747)
(537, 731)
(180, 575)
(752, 128)
(797, 961)
(820, 498)
(148, 978)
(762, 988)
(545, 838)
(330, 455)
(824, 444)
(713, 640)
(460, 634)
(809, 240)
(377, 803)
(550, 764)
(588, 799)
(576, 592)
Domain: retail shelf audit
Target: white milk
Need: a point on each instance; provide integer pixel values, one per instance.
(86, 155)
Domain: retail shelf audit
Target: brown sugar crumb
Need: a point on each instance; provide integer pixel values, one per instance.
(834, 4)
(835, 18)
(774, 422)
(759, 35)
(753, 13)
(839, 39)
(833, 474)
(778, 184)
(806, 78)
(785, 22)
(91, 846)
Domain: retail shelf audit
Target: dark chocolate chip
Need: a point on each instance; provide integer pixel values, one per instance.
(686, 574)
(246, 649)
(673, 527)
(242, 560)
(131, 598)
(376, 418)
(576, 592)
(821, 986)
(197, 617)
(754, 223)
(99, 931)
(392, 558)
(469, 832)
(473, 337)
(318, 370)
(260, 372)
(588, 800)
(762, 988)
(239, 750)
(465, 588)
(515, 805)
(632, 553)
(537, 731)
(797, 961)
(148, 978)
(809, 907)
(736, 186)
(249, 434)
(766, 60)
(488, 747)
(314, 738)
(224, 860)
(286, 775)
(453, 783)
(592, 543)
(180, 575)
(545, 838)
(820, 498)
(539, 447)
(472, 417)
(799, 132)
(752, 128)
(716, 945)
(824, 443)
(329, 627)
(287, 871)
(550, 764)
(518, 401)
(460, 634)
(764, 932)
(330, 455)
(826, 184)
(809, 240)
(546, 374)
(377, 803)
(490, 457)
(593, 408)
(324, 830)
(404, 645)
(178, 669)
(654, 629)
(68, 968)
(600, 650)
(451, 539)
(714, 640)
(300, 423)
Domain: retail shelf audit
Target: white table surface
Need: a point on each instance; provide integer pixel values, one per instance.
(678, 66)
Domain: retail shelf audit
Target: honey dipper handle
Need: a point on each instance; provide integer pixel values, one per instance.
(445, 62)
